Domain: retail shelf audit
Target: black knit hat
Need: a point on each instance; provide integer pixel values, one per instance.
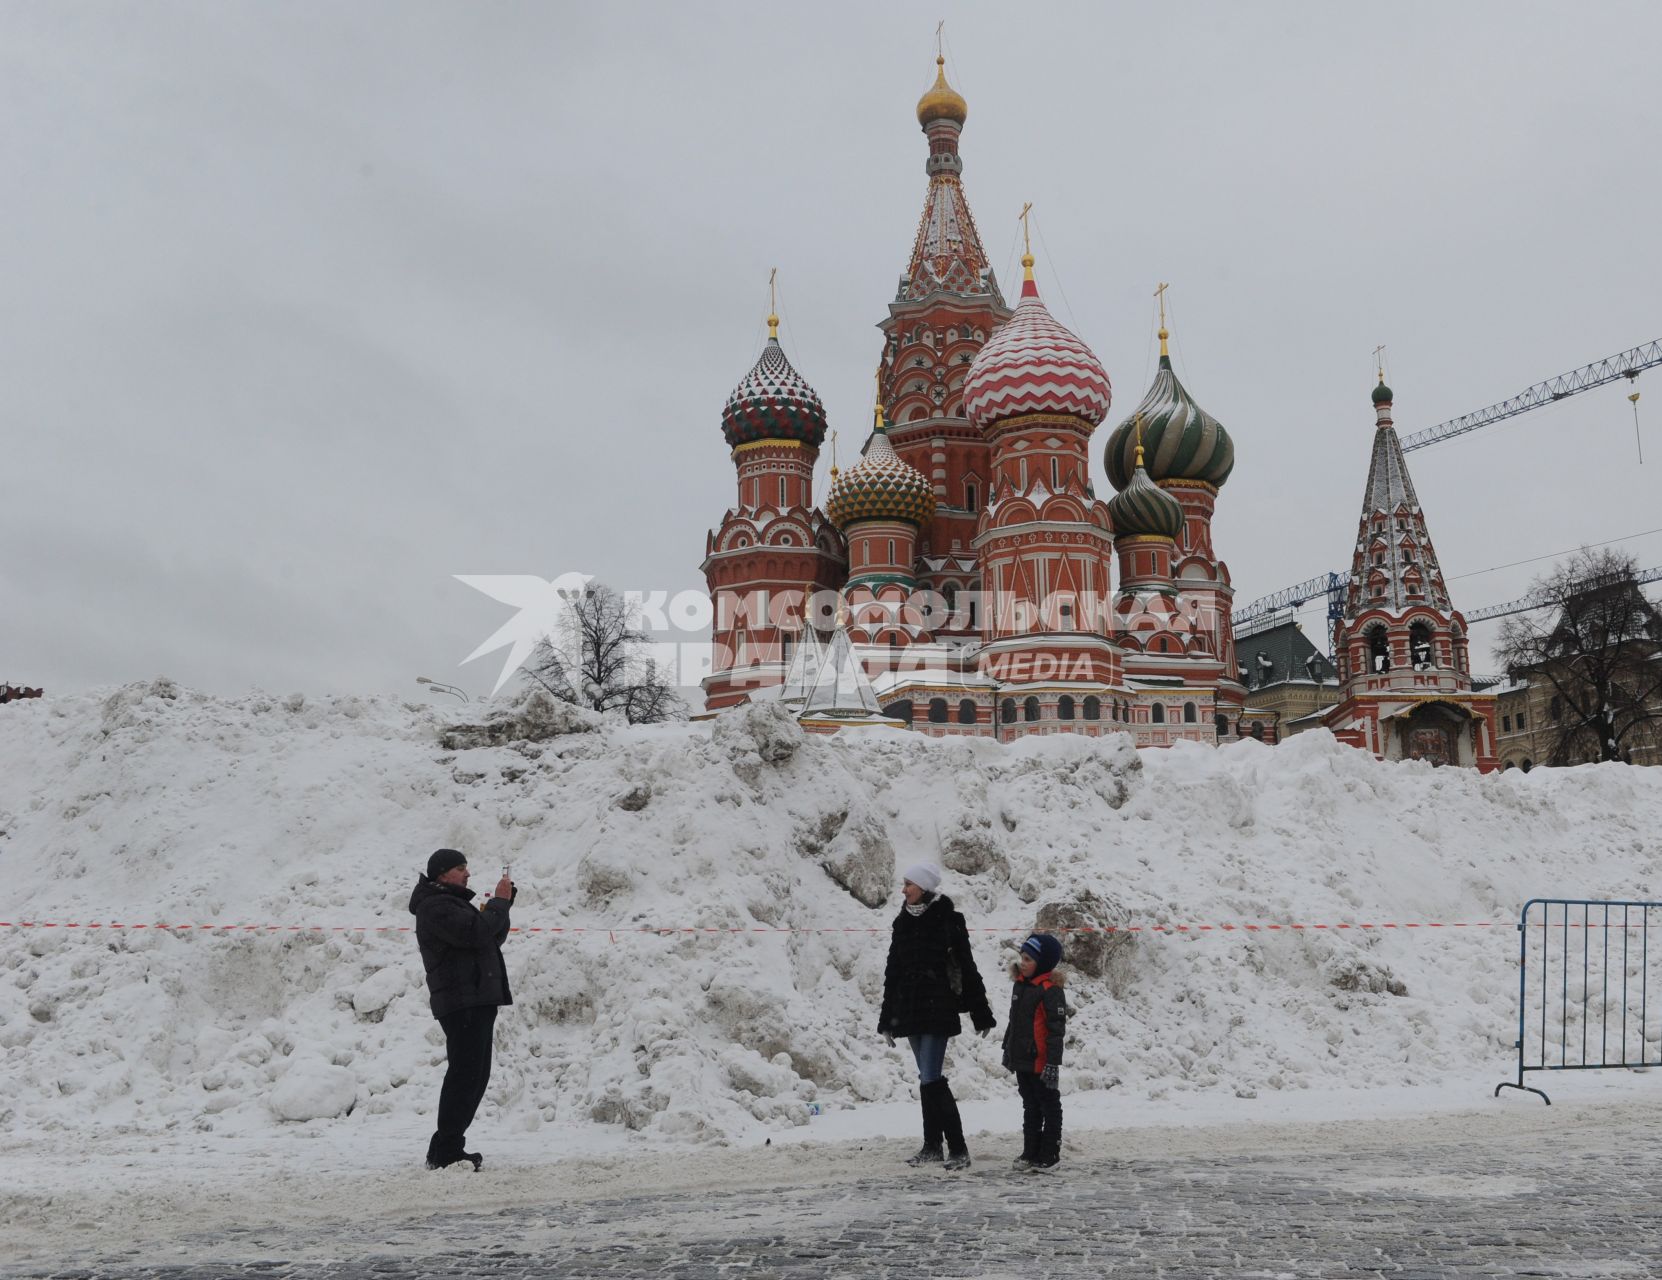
(1045, 950)
(443, 860)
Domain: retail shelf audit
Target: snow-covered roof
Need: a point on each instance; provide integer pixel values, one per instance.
(1156, 684)
(890, 682)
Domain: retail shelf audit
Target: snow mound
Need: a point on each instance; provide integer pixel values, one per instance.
(706, 907)
(312, 1089)
(531, 714)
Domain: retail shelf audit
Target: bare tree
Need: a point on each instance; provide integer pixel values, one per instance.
(1597, 644)
(598, 661)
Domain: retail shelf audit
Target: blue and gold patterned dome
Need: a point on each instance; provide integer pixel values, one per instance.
(880, 487)
(773, 402)
(1181, 440)
(1142, 509)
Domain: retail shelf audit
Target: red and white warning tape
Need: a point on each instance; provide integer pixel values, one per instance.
(661, 930)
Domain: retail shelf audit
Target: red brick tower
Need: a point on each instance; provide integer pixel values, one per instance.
(774, 540)
(1147, 524)
(1036, 392)
(880, 504)
(947, 305)
(1178, 633)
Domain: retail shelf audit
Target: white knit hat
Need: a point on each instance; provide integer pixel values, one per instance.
(926, 876)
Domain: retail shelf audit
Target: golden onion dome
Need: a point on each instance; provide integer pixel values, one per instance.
(942, 102)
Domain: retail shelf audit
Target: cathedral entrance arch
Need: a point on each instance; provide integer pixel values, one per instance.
(1431, 732)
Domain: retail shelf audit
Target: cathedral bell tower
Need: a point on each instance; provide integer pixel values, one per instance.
(1405, 689)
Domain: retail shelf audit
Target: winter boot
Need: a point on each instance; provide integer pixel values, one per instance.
(470, 1158)
(952, 1128)
(929, 1100)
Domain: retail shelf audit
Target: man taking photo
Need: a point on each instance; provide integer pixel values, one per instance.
(461, 949)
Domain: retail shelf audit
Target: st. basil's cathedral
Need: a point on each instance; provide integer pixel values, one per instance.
(964, 565)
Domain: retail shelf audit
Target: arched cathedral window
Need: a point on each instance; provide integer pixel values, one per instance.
(1379, 650)
(1420, 646)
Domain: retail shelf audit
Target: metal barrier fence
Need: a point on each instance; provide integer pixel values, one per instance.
(1584, 980)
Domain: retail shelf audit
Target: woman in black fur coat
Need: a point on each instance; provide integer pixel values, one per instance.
(930, 979)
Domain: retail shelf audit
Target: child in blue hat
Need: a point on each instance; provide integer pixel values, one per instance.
(1033, 1049)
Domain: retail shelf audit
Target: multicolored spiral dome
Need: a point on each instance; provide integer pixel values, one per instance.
(1181, 441)
(1144, 509)
(880, 487)
(1035, 365)
(773, 402)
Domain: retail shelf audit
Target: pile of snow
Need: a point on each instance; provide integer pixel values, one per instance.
(767, 860)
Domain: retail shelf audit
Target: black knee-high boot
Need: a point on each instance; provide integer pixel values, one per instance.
(929, 1101)
(952, 1127)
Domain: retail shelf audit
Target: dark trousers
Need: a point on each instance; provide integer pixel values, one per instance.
(467, 1049)
(1041, 1118)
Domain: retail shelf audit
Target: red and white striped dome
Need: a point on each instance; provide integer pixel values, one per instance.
(1034, 365)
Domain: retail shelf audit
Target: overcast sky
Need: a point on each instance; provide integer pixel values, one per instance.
(309, 307)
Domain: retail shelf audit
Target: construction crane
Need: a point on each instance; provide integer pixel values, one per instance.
(1541, 599)
(1249, 619)
(1263, 612)
(1629, 364)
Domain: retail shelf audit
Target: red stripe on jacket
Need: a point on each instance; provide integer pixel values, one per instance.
(1041, 1025)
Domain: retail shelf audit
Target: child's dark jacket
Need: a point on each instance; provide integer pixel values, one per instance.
(1038, 1022)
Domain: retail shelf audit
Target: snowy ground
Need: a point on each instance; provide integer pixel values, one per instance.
(324, 1196)
(300, 1052)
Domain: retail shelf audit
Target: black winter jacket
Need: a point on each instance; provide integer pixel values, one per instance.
(461, 947)
(924, 951)
(1038, 1023)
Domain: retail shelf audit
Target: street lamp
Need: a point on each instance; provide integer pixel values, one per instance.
(442, 687)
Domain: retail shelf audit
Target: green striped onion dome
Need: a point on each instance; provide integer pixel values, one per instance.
(773, 402)
(1181, 441)
(1144, 509)
(880, 487)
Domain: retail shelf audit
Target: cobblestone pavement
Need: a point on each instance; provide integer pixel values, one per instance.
(1576, 1204)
